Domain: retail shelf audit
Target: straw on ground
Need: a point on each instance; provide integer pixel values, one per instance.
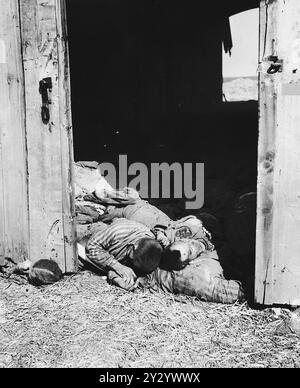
(84, 322)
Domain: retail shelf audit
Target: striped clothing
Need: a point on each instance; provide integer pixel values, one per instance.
(202, 278)
(109, 246)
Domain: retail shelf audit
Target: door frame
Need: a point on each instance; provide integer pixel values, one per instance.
(277, 274)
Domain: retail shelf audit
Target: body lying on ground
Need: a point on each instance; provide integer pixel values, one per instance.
(126, 247)
(166, 230)
(202, 278)
(110, 250)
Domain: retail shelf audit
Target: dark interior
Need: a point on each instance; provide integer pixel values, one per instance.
(146, 78)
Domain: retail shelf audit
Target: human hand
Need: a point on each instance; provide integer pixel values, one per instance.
(162, 239)
(118, 281)
(126, 273)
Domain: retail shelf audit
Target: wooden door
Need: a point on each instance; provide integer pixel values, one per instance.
(14, 221)
(36, 146)
(278, 209)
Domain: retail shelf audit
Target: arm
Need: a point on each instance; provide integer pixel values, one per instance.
(97, 253)
(119, 281)
(160, 235)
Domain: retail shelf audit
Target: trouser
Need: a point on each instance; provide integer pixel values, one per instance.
(202, 278)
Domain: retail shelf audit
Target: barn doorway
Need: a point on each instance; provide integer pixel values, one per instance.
(146, 79)
(240, 65)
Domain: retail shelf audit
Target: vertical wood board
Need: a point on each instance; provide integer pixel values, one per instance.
(278, 209)
(49, 145)
(14, 231)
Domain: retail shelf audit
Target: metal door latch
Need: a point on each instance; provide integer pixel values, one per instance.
(276, 65)
(45, 89)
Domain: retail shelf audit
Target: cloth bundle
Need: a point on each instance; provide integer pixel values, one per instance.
(87, 177)
(88, 212)
(110, 196)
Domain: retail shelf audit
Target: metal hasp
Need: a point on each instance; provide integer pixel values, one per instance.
(276, 65)
(45, 86)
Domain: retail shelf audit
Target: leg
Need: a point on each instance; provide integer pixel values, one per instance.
(204, 278)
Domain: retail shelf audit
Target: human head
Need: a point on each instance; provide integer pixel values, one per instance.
(177, 255)
(145, 256)
(44, 271)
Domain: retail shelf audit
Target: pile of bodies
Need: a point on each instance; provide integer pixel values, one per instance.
(136, 245)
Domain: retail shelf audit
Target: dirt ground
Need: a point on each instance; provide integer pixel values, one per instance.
(84, 322)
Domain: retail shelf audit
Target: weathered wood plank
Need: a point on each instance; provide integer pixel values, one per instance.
(266, 155)
(13, 172)
(49, 160)
(71, 263)
(286, 268)
(278, 213)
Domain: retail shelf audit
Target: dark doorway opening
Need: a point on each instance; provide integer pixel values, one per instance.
(146, 78)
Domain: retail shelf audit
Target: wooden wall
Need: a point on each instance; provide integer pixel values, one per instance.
(49, 145)
(37, 157)
(278, 209)
(14, 222)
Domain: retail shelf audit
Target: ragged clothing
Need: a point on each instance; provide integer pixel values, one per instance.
(110, 246)
(141, 211)
(125, 196)
(188, 227)
(160, 223)
(87, 177)
(85, 231)
(202, 278)
(88, 212)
